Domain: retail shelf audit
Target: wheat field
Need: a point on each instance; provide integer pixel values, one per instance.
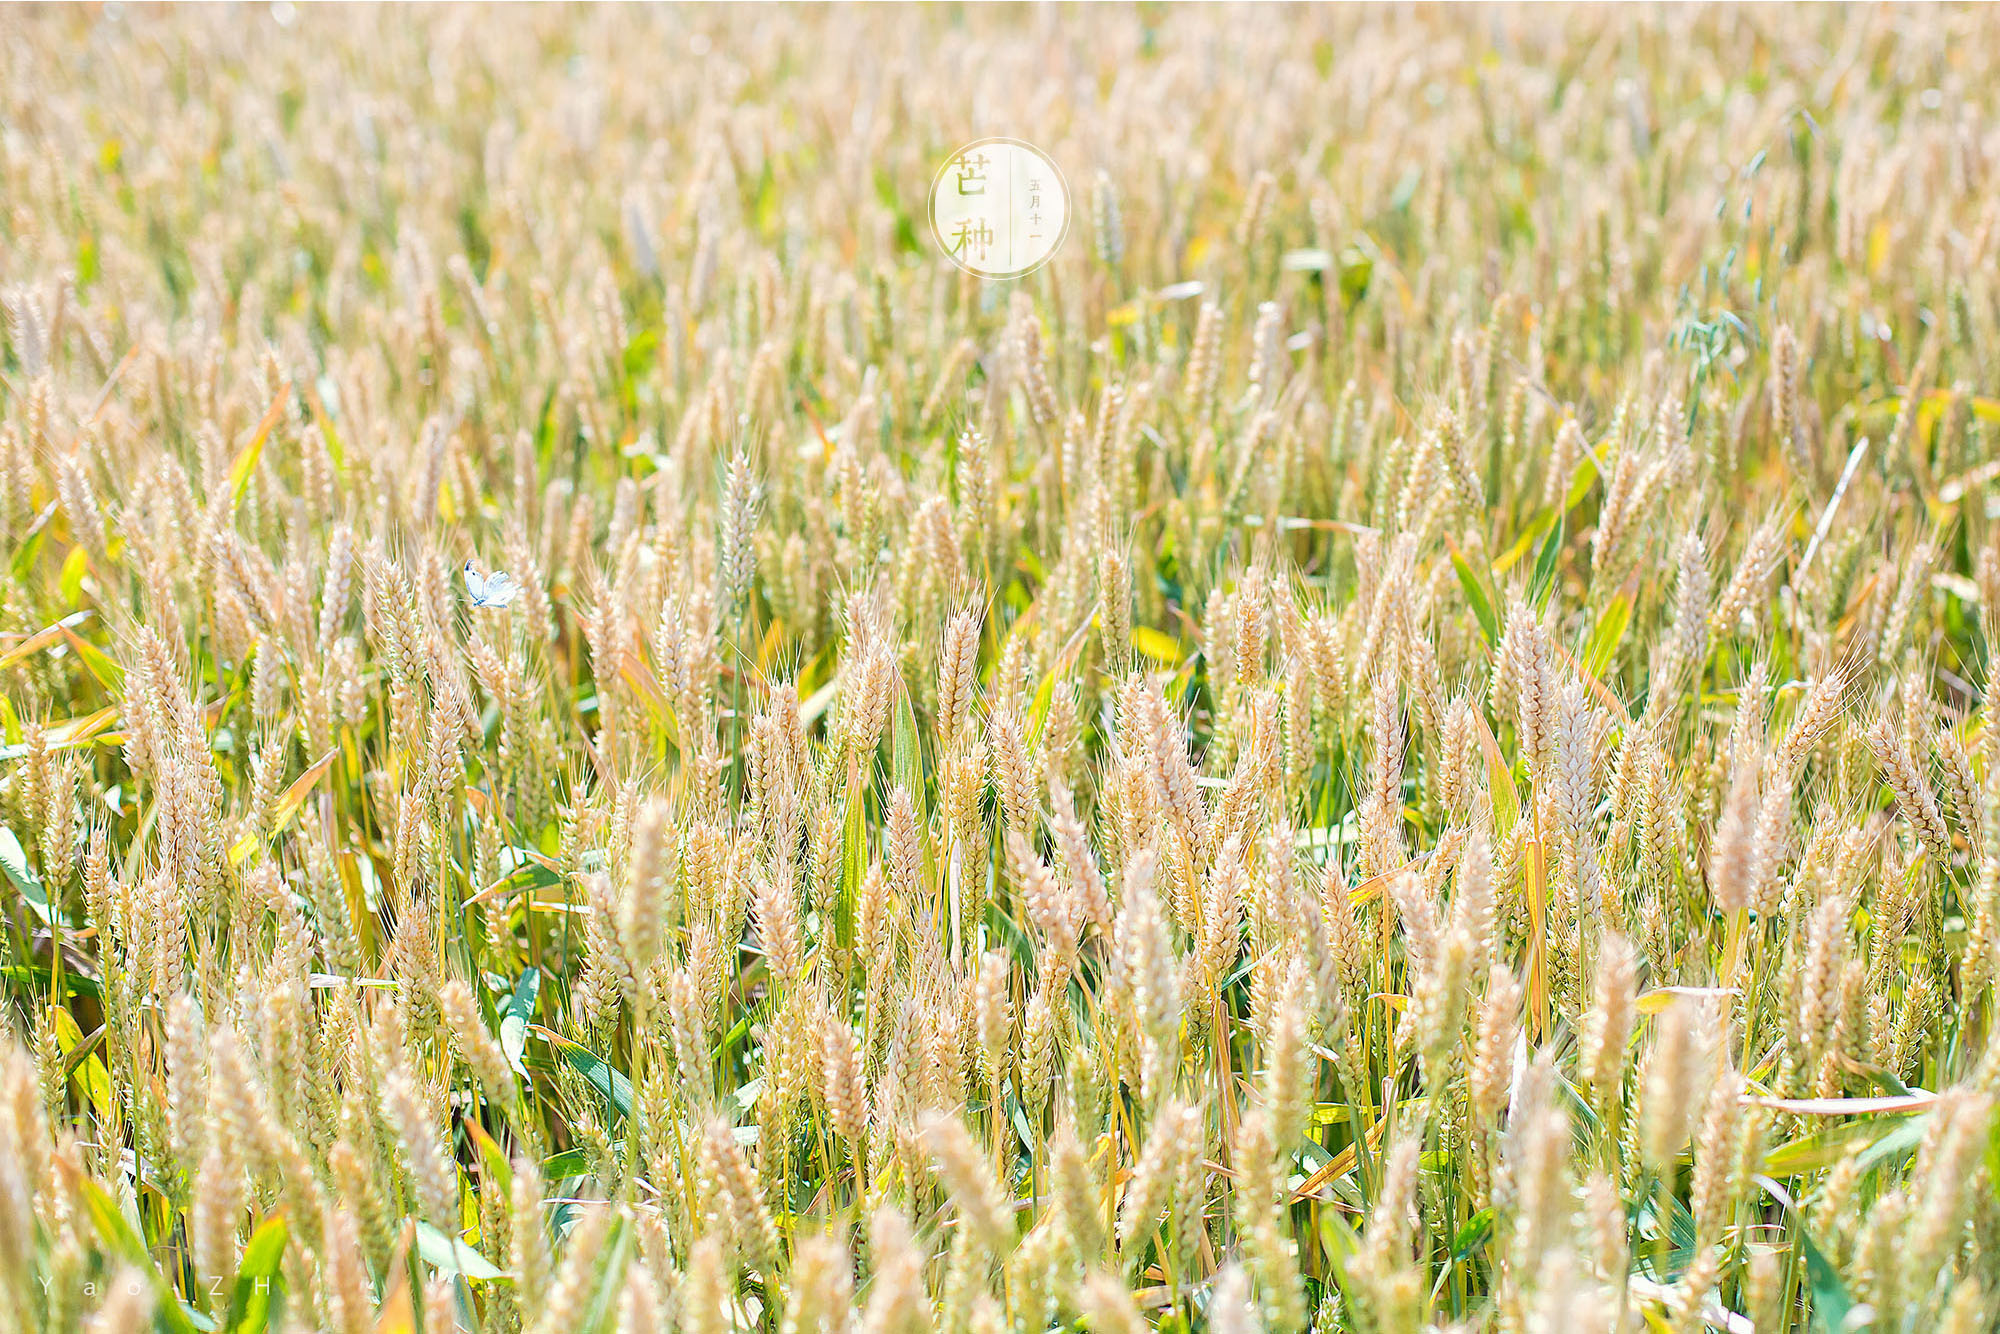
(1396, 739)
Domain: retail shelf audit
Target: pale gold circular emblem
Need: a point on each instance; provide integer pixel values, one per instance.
(999, 208)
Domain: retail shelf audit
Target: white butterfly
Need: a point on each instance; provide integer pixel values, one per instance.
(490, 590)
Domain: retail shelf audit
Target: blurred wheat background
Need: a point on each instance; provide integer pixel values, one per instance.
(1397, 739)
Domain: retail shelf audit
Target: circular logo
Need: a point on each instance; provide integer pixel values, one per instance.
(999, 208)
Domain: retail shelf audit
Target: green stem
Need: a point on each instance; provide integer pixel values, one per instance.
(634, 1122)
